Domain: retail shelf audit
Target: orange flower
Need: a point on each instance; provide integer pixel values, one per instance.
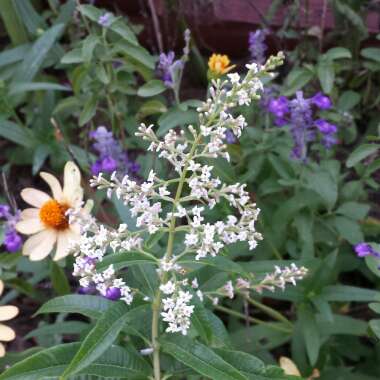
(219, 64)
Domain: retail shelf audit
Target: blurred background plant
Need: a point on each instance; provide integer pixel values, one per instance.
(75, 82)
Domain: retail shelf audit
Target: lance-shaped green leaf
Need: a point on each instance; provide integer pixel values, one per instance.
(90, 306)
(200, 358)
(37, 54)
(116, 363)
(100, 338)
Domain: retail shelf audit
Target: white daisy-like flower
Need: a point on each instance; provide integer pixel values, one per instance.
(47, 221)
(7, 312)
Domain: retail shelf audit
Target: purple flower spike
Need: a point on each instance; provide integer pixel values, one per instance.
(167, 67)
(257, 46)
(12, 241)
(4, 211)
(364, 249)
(113, 293)
(111, 155)
(321, 101)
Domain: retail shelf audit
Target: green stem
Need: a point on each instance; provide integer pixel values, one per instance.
(268, 310)
(168, 256)
(251, 319)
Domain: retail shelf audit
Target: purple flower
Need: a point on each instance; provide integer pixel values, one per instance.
(134, 167)
(279, 107)
(299, 114)
(86, 290)
(113, 293)
(301, 122)
(111, 155)
(230, 137)
(328, 132)
(257, 46)
(321, 101)
(105, 19)
(4, 211)
(364, 249)
(96, 167)
(168, 67)
(109, 165)
(12, 241)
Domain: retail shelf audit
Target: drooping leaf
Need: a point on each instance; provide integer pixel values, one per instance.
(115, 363)
(100, 338)
(200, 358)
(15, 133)
(90, 306)
(360, 153)
(60, 328)
(151, 88)
(37, 54)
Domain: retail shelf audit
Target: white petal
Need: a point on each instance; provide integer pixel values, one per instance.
(72, 189)
(54, 184)
(288, 366)
(8, 312)
(63, 242)
(34, 197)
(2, 350)
(6, 333)
(30, 213)
(1, 287)
(38, 246)
(29, 226)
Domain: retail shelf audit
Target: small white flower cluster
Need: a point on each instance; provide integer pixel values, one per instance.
(157, 207)
(90, 249)
(176, 308)
(280, 277)
(140, 198)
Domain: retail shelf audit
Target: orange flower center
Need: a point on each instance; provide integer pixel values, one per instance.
(53, 214)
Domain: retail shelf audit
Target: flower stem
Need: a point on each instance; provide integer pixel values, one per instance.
(268, 310)
(163, 279)
(251, 319)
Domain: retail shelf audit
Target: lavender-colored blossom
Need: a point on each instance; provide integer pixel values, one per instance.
(105, 19)
(328, 132)
(112, 156)
(113, 293)
(167, 68)
(364, 249)
(4, 211)
(299, 114)
(86, 290)
(279, 107)
(230, 137)
(257, 46)
(301, 120)
(170, 69)
(12, 240)
(321, 101)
